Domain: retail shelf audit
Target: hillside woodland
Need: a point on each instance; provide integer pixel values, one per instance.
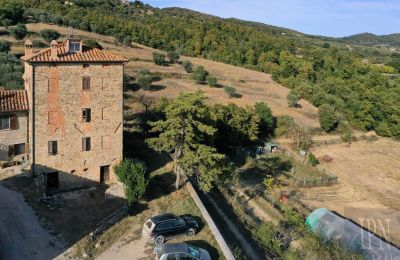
(358, 91)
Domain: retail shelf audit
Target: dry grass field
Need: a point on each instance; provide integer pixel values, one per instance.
(253, 86)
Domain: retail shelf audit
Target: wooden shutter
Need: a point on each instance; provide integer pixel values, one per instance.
(86, 83)
(26, 148)
(14, 122)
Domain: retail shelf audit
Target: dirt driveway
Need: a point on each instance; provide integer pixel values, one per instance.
(128, 249)
(21, 235)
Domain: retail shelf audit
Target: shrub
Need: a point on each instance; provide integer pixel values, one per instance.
(188, 66)
(212, 81)
(328, 118)
(293, 99)
(200, 74)
(19, 32)
(48, 35)
(312, 160)
(132, 173)
(158, 58)
(127, 41)
(283, 125)
(269, 238)
(173, 56)
(144, 79)
(270, 182)
(267, 120)
(92, 44)
(231, 91)
(5, 46)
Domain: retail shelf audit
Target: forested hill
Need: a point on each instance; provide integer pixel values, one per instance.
(352, 87)
(372, 39)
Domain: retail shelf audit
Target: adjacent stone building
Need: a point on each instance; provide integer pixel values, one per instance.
(13, 126)
(76, 106)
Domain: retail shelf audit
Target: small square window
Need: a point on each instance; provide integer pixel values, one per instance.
(4, 122)
(86, 145)
(53, 147)
(86, 115)
(19, 149)
(74, 46)
(86, 84)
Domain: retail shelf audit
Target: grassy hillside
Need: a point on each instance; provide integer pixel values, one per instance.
(372, 39)
(331, 73)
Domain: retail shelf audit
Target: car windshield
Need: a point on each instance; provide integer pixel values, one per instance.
(194, 251)
(150, 225)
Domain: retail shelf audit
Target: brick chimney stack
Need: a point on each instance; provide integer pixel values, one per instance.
(28, 47)
(53, 46)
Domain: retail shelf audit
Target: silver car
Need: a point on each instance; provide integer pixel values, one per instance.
(180, 251)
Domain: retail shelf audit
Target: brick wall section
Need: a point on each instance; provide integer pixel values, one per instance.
(11, 137)
(58, 93)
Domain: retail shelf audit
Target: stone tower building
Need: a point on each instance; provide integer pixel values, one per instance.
(76, 113)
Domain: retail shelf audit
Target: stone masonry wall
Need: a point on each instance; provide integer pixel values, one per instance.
(59, 100)
(11, 137)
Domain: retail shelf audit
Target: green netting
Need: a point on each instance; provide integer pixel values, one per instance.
(313, 220)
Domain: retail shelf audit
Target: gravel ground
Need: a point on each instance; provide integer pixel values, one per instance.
(21, 235)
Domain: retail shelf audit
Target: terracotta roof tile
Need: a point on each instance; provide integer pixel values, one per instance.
(86, 55)
(13, 100)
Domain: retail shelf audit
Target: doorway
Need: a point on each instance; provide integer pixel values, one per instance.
(52, 181)
(104, 174)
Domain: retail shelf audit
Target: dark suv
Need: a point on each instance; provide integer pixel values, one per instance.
(161, 228)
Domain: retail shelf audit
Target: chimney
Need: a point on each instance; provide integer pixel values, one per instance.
(54, 46)
(28, 47)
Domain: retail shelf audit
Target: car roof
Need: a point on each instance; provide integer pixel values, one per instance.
(175, 248)
(162, 217)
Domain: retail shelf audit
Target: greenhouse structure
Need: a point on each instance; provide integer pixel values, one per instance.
(332, 227)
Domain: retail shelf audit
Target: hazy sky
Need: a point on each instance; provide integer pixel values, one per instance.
(321, 17)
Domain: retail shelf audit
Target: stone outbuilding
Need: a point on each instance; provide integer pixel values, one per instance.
(14, 133)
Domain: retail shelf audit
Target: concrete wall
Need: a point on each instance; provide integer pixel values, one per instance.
(58, 103)
(11, 137)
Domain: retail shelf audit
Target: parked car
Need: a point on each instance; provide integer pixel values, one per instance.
(181, 251)
(161, 228)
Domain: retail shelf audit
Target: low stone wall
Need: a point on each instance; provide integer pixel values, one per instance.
(214, 229)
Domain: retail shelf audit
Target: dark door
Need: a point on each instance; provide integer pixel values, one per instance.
(105, 174)
(52, 181)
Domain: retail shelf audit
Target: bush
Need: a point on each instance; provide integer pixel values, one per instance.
(5, 46)
(269, 238)
(283, 125)
(231, 91)
(173, 56)
(127, 41)
(188, 66)
(293, 99)
(19, 32)
(158, 58)
(312, 160)
(200, 74)
(11, 71)
(132, 174)
(49, 35)
(328, 118)
(212, 81)
(92, 44)
(144, 79)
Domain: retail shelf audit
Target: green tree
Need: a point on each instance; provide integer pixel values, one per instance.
(267, 121)
(158, 58)
(182, 134)
(91, 43)
(212, 81)
(173, 56)
(187, 66)
(231, 91)
(49, 34)
(292, 98)
(144, 79)
(132, 173)
(5, 46)
(312, 160)
(328, 118)
(200, 74)
(19, 32)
